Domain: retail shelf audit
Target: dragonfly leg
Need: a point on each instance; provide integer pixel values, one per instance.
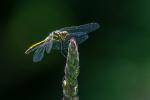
(64, 53)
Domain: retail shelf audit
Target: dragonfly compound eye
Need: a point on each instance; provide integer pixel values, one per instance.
(63, 35)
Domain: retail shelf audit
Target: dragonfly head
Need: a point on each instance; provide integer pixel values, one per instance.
(64, 35)
(60, 36)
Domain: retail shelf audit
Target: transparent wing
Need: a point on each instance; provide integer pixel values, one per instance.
(82, 39)
(39, 54)
(49, 46)
(79, 40)
(87, 28)
(77, 34)
(56, 45)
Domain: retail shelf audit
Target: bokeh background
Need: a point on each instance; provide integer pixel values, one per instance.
(115, 60)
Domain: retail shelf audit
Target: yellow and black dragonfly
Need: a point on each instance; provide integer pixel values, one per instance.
(59, 40)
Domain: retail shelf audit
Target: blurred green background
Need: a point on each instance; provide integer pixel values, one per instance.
(115, 60)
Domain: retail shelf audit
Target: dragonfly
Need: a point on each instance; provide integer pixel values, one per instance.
(59, 40)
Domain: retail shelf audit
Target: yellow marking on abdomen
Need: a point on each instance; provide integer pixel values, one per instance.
(34, 45)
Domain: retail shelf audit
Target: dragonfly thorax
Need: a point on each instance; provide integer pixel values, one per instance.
(59, 35)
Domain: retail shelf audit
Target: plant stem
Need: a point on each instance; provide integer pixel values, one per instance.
(70, 82)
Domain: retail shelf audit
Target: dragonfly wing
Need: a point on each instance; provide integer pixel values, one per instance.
(56, 45)
(38, 54)
(79, 39)
(49, 46)
(77, 34)
(87, 28)
(82, 39)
